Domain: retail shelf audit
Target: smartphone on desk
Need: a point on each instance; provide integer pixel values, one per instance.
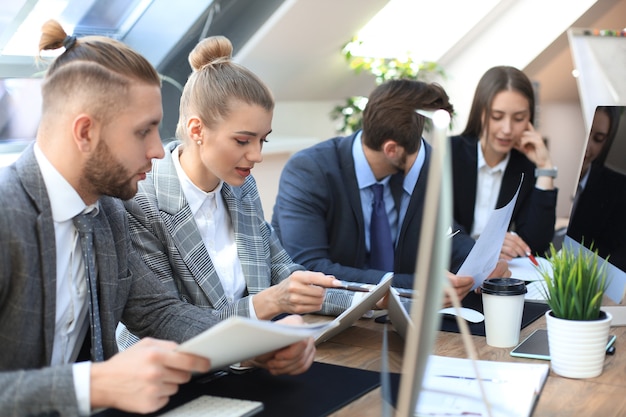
(536, 346)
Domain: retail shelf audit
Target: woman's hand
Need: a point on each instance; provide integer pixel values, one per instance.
(303, 292)
(532, 145)
(291, 360)
(513, 247)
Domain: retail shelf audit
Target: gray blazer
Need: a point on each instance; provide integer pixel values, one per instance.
(128, 292)
(165, 234)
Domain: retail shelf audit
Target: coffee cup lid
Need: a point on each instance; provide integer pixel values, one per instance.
(504, 286)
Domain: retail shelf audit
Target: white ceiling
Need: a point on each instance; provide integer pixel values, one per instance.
(298, 51)
(553, 66)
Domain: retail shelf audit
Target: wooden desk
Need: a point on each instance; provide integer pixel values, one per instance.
(360, 347)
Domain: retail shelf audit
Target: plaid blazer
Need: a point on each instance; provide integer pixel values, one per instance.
(165, 234)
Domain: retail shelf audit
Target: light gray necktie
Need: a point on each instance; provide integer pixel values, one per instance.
(84, 225)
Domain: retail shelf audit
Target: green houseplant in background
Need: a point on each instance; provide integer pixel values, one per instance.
(349, 114)
(578, 329)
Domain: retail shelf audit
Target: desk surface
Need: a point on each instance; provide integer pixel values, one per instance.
(360, 347)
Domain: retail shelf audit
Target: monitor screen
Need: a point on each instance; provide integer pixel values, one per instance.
(598, 216)
(430, 277)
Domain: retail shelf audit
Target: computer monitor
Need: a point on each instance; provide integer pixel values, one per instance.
(598, 214)
(431, 263)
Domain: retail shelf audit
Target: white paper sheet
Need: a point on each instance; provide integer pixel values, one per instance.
(484, 256)
(451, 388)
(524, 269)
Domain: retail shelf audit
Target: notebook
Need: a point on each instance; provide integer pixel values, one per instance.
(451, 387)
(239, 338)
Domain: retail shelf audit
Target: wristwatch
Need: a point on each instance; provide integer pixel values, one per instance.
(550, 172)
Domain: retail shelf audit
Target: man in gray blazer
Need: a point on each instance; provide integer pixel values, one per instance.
(96, 140)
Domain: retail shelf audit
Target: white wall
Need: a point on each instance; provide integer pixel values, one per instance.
(309, 119)
(295, 126)
(562, 124)
(266, 175)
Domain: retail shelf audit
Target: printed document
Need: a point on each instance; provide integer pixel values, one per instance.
(450, 388)
(484, 256)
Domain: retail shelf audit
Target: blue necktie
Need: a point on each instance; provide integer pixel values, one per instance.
(381, 245)
(84, 226)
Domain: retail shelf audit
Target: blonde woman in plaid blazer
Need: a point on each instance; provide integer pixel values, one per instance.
(197, 219)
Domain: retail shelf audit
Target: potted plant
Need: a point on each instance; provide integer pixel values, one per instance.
(349, 114)
(578, 329)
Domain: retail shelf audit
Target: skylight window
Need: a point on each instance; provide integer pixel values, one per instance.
(112, 18)
(424, 30)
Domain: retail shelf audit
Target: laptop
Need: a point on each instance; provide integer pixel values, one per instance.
(356, 311)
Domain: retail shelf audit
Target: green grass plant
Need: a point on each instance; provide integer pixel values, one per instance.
(577, 283)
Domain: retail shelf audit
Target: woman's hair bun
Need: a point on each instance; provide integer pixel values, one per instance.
(209, 51)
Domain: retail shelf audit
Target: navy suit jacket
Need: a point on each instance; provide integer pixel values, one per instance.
(319, 218)
(534, 214)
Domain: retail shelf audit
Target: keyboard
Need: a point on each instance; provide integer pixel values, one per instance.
(216, 406)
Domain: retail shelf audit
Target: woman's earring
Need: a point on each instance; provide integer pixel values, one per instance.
(199, 142)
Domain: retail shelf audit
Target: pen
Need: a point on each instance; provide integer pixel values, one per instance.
(357, 288)
(532, 259)
(469, 378)
(451, 235)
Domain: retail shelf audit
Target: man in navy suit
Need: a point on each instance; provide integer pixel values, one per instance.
(323, 207)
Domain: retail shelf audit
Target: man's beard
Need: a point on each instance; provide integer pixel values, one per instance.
(105, 175)
(400, 165)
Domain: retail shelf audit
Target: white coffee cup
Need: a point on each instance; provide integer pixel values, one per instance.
(503, 306)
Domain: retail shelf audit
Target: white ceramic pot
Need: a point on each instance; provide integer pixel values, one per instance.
(578, 348)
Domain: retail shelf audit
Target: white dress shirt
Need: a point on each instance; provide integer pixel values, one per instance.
(215, 226)
(365, 179)
(71, 320)
(489, 181)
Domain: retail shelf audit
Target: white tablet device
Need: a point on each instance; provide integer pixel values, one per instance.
(356, 311)
(536, 346)
(397, 312)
